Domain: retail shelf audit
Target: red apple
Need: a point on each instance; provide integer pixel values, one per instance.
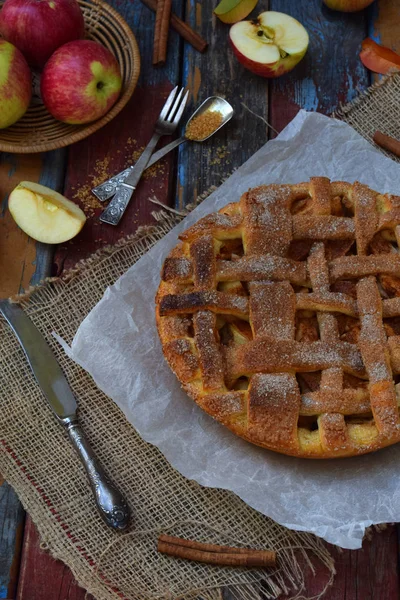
(80, 82)
(39, 27)
(15, 84)
(270, 45)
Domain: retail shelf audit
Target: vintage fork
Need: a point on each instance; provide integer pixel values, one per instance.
(166, 124)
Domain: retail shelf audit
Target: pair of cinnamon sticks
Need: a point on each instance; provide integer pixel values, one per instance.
(164, 18)
(215, 555)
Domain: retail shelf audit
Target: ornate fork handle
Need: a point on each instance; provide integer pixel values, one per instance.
(110, 502)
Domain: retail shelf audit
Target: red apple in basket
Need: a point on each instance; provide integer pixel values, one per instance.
(270, 45)
(15, 84)
(80, 82)
(39, 27)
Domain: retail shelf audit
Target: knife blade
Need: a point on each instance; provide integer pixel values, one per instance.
(42, 361)
(54, 385)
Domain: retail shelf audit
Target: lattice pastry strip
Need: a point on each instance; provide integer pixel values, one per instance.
(280, 315)
(376, 357)
(332, 426)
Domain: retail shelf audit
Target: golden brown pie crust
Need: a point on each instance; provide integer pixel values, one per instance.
(280, 316)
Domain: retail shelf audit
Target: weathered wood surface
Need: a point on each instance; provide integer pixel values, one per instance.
(22, 262)
(331, 73)
(121, 142)
(42, 578)
(367, 574)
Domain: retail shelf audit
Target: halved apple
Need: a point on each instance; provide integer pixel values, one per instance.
(271, 45)
(232, 11)
(45, 215)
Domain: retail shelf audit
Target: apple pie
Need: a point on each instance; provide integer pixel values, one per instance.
(280, 316)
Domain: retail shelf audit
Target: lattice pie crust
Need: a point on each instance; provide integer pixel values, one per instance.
(280, 316)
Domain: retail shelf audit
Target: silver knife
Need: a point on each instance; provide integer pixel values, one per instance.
(109, 500)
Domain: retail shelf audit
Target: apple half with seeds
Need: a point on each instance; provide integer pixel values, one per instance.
(45, 215)
(271, 45)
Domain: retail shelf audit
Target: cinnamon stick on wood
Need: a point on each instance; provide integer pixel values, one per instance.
(387, 142)
(215, 555)
(182, 28)
(161, 30)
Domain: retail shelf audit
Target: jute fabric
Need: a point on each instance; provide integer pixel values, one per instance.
(39, 462)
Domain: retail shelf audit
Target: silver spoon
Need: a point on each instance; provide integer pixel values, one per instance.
(214, 104)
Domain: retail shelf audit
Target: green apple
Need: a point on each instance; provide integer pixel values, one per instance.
(45, 215)
(232, 11)
(15, 84)
(348, 5)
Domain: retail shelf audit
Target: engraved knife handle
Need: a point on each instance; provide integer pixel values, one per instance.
(110, 502)
(106, 190)
(114, 211)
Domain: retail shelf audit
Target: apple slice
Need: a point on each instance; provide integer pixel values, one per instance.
(271, 45)
(232, 11)
(45, 215)
(379, 59)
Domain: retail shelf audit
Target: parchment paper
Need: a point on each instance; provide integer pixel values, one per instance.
(118, 345)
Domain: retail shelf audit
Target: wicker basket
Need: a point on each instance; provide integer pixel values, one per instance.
(38, 131)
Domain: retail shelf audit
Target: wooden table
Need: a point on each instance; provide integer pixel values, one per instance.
(330, 74)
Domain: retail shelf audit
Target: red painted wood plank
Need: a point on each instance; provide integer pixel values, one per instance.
(102, 155)
(121, 142)
(367, 574)
(42, 577)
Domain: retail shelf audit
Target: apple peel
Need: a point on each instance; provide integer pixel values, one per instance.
(44, 214)
(377, 58)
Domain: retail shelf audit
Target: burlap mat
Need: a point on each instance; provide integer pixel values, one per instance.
(39, 462)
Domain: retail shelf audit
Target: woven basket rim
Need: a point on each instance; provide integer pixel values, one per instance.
(86, 130)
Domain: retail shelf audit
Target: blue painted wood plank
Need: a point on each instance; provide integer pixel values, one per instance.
(217, 72)
(11, 530)
(53, 176)
(331, 73)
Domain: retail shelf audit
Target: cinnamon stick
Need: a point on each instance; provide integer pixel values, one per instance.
(161, 29)
(182, 28)
(214, 554)
(387, 142)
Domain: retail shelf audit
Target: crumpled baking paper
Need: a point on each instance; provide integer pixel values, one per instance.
(118, 345)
